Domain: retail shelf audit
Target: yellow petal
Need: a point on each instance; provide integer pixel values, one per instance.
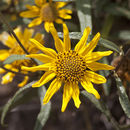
(94, 56)
(65, 16)
(95, 66)
(67, 94)
(47, 51)
(27, 34)
(91, 45)
(64, 13)
(58, 43)
(87, 85)
(60, 4)
(44, 67)
(47, 76)
(94, 77)
(68, 11)
(10, 42)
(39, 37)
(32, 7)
(7, 78)
(4, 54)
(42, 57)
(2, 71)
(47, 26)
(59, 21)
(34, 12)
(53, 88)
(35, 22)
(75, 95)
(67, 43)
(81, 44)
(24, 82)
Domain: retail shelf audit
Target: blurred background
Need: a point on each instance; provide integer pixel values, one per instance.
(109, 17)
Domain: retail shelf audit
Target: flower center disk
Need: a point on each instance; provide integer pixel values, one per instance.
(48, 12)
(70, 66)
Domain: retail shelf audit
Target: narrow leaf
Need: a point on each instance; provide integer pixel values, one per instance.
(44, 112)
(114, 9)
(13, 58)
(102, 42)
(106, 86)
(98, 103)
(108, 44)
(123, 98)
(19, 95)
(84, 13)
(124, 34)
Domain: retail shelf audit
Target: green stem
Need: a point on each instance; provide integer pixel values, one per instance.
(108, 115)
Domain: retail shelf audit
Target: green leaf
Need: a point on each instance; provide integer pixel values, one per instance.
(107, 26)
(13, 58)
(118, 10)
(98, 103)
(102, 42)
(106, 86)
(124, 34)
(105, 73)
(44, 112)
(108, 44)
(84, 13)
(123, 98)
(20, 95)
(72, 35)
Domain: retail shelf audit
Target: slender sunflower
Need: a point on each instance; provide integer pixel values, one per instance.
(70, 67)
(47, 12)
(14, 48)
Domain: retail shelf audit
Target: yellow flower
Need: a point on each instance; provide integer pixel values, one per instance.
(14, 48)
(48, 12)
(70, 67)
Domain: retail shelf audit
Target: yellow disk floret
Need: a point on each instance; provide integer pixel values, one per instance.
(70, 67)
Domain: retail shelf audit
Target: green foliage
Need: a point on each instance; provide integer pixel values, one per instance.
(124, 35)
(98, 103)
(84, 13)
(44, 112)
(123, 98)
(21, 96)
(105, 73)
(102, 42)
(13, 58)
(105, 17)
(114, 9)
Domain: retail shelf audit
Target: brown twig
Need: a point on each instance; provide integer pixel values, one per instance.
(119, 64)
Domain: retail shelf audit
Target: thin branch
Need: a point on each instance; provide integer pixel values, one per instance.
(2, 19)
(13, 71)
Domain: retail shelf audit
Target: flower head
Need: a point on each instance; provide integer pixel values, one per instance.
(47, 12)
(14, 48)
(70, 67)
